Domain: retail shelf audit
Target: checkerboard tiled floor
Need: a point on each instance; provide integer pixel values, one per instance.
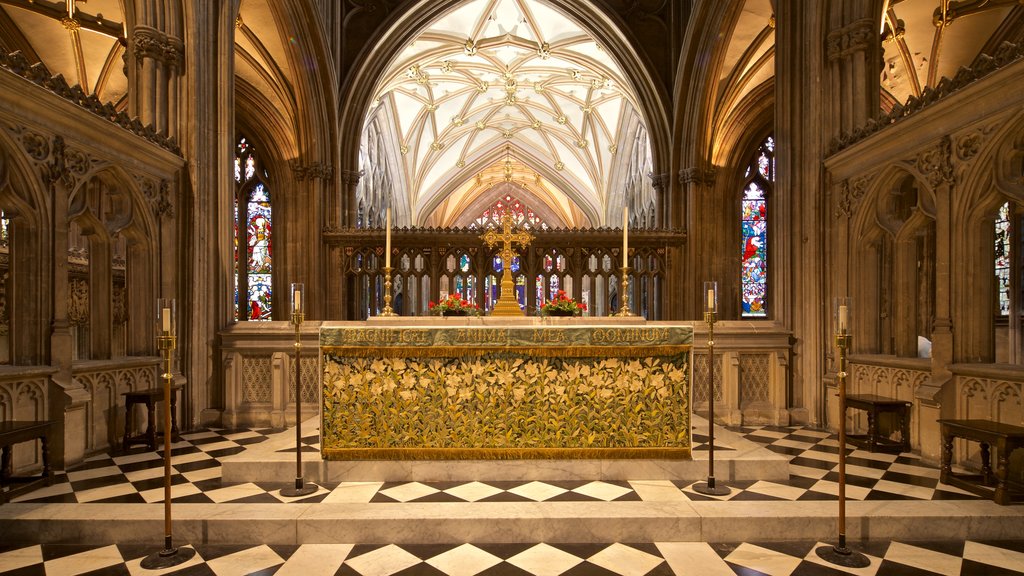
(137, 477)
(652, 559)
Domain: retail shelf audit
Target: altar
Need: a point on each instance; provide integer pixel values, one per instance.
(505, 388)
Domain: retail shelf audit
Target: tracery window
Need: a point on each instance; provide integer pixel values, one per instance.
(522, 215)
(254, 216)
(1002, 259)
(758, 181)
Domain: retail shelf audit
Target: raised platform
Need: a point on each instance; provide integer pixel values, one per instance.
(737, 459)
(629, 508)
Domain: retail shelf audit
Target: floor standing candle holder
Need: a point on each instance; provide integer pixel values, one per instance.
(624, 288)
(387, 311)
(300, 488)
(711, 487)
(840, 554)
(166, 341)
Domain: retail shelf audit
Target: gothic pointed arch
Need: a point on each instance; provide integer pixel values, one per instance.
(26, 306)
(404, 26)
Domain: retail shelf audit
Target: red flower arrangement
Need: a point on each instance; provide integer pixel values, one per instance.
(454, 305)
(562, 305)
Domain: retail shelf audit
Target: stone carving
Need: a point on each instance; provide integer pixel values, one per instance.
(936, 163)
(699, 176)
(755, 377)
(36, 145)
(312, 171)
(57, 169)
(256, 379)
(850, 195)
(39, 75)
(164, 204)
(700, 378)
(990, 398)
(78, 302)
(351, 177)
(855, 37)
(310, 375)
(887, 381)
(120, 305)
(982, 66)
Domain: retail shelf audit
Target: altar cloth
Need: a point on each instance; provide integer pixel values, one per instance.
(505, 391)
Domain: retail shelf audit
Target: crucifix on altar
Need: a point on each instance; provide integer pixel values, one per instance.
(507, 304)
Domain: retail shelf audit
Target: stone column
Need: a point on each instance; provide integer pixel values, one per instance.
(698, 194)
(206, 222)
(797, 239)
(67, 401)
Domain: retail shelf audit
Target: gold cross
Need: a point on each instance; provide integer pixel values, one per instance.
(507, 304)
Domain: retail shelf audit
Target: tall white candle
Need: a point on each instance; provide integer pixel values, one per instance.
(387, 238)
(711, 300)
(625, 236)
(165, 316)
(844, 318)
(298, 301)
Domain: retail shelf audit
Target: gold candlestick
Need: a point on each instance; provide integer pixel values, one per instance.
(624, 289)
(387, 311)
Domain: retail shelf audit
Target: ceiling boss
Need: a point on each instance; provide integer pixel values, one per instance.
(507, 304)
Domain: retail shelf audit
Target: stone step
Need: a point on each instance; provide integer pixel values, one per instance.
(489, 522)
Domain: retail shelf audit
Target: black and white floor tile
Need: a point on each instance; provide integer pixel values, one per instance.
(652, 559)
(137, 477)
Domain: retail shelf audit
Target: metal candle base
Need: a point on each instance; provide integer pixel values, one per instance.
(168, 558)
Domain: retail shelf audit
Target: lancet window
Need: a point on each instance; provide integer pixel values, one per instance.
(758, 181)
(253, 237)
(1002, 259)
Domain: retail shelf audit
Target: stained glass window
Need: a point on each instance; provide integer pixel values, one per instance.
(758, 181)
(522, 215)
(4, 230)
(1002, 263)
(255, 217)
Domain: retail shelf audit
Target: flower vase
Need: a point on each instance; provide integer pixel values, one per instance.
(455, 313)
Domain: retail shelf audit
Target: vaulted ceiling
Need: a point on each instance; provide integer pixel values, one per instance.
(498, 83)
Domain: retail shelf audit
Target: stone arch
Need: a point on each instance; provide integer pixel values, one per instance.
(995, 176)
(109, 205)
(403, 27)
(565, 182)
(24, 200)
(750, 125)
(893, 240)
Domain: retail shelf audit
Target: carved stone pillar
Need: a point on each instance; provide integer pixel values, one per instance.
(63, 393)
(349, 204)
(311, 182)
(205, 221)
(158, 63)
(797, 235)
(698, 195)
(854, 55)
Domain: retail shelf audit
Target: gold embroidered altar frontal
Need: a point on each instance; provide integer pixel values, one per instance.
(505, 392)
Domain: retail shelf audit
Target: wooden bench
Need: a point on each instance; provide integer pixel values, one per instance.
(1005, 437)
(875, 405)
(150, 397)
(13, 432)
